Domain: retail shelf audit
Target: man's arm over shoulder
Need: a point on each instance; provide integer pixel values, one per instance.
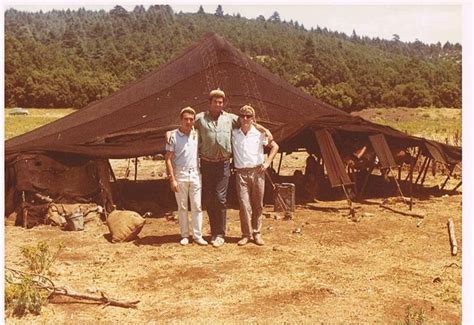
(264, 130)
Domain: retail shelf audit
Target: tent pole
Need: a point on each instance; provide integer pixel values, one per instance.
(366, 179)
(422, 169)
(411, 186)
(451, 169)
(349, 201)
(279, 163)
(414, 164)
(396, 182)
(457, 186)
(136, 168)
(426, 172)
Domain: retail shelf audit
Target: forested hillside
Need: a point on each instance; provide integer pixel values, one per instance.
(71, 58)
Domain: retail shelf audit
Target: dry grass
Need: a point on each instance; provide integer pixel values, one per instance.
(336, 270)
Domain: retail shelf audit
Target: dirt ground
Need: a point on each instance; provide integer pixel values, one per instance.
(320, 266)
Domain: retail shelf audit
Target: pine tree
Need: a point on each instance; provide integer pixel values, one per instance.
(219, 11)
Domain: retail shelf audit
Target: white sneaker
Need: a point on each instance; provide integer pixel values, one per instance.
(218, 242)
(200, 241)
(184, 241)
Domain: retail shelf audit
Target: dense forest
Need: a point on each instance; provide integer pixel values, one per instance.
(65, 58)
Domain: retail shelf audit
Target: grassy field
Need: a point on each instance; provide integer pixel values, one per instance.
(433, 123)
(19, 124)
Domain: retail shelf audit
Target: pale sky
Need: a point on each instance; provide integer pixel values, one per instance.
(429, 22)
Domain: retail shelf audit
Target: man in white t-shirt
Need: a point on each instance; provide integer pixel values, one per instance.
(250, 165)
(184, 175)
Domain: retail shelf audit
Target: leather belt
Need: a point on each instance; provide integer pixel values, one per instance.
(214, 160)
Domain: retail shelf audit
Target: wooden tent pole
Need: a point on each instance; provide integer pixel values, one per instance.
(456, 187)
(426, 172)
(451, 169)
(349, 201)
(279, 163)
(366, 179)
(136, 168)
(396, 182)
(422, 169)
(410, 174)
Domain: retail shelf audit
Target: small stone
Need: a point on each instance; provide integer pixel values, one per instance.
(297, 231)
(269, 228)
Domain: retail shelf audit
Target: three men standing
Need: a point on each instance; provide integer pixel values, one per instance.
(215, 150)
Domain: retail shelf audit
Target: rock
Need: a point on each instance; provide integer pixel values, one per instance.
(297, 231)
(269, 228)
(367, 214)
(277, 249)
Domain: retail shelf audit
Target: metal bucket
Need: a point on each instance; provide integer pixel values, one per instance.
(75, 221)
(287, 194)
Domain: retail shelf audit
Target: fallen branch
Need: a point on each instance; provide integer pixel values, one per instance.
(44, 283)
(61, 291)
(409, 214)
(452, 237)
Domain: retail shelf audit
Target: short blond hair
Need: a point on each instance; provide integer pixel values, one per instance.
(188, 109)
(216, 93)
(247, 110)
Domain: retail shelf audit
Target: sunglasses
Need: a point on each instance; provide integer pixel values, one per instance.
(245, 116)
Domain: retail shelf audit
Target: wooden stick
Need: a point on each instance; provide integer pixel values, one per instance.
(279, 164)
(452, 237)
(409, 214)
(136, 168)
(410, 174)
(451, 169)
(426, 172)
(421, 170)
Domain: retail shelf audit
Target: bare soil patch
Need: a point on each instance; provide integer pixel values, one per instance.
(334, 270)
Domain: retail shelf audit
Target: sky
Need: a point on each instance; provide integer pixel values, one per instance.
(429, 22)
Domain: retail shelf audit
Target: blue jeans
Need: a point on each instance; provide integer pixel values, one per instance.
(215, 180)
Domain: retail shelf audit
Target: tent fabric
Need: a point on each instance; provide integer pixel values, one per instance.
(291, 136)
(133, 121)
(333, 162)
(148, 107)
(382, 151)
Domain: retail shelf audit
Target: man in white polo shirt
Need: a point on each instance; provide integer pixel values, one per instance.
(250, 166)
(184, 175)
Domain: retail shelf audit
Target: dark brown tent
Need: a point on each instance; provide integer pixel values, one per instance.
(132, 122)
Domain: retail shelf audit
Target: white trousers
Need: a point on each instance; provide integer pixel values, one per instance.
(189, 185)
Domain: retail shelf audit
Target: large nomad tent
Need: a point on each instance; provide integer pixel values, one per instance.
(68, 159)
